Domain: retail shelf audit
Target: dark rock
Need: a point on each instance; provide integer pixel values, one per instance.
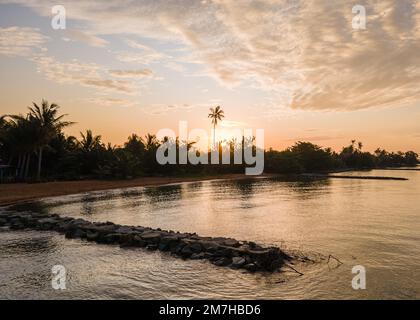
(2, 222)
(112, 238)
(139, 242)
(92, 236)
(198, 256)
(43, 224)
(275, 265)
(17, 226)
(48, 221)
(163, 247)
(195, 247)
(223, 252)
(238, 262)
(219, 251)
(168, 243)
(125, 230)
(178, 248)
(231, 243)
(151, 237)
(75, 233)
(251, 267)
(186, 251)
(222, 262)
(265, 258)
(209, 246)
(152, 247)
(126, 240)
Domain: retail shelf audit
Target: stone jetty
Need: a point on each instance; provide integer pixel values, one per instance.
(223, 252)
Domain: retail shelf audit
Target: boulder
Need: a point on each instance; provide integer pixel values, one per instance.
(112, 238)
(251, 267)
(198, 256)
(186, 251)
(126, 240)
(223, 252)
(168, 243)
(151, 237)
(92, 236)
(231, 243)
(2, 222)
(152, 247)
(75, 233)
(209, 246)
(139, 242)
(195, 247)
(238, 262)
(266, 258)
(125, 230)
(219, 251)
(274, 265)
(222, 262)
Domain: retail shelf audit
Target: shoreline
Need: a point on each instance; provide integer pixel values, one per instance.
(16, 193)
(11, 194)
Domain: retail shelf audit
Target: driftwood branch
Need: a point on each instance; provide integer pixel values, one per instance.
(332, 257)
(289, 266)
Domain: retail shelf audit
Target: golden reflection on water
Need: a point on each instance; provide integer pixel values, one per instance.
(362, 222)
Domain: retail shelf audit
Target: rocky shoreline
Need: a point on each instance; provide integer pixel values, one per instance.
(223, 252)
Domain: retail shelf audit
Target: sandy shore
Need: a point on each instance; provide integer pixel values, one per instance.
(18, 192)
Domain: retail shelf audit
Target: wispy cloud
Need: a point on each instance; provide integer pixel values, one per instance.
(19, 41)
(157, 109)
(305, 54)
(90, 39)
(76, 72)
(111, 102)
(143, 73)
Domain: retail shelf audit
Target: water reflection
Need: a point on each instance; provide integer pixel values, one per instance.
(156, 195)
(371, 223)
(42, 244)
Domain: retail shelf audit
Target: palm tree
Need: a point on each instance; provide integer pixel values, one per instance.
(21, 137)
(3, 124)
(90, 142)
(49, 124)
(216, 115)
(151, 142)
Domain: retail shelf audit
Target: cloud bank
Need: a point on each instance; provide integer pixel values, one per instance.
(305, 54)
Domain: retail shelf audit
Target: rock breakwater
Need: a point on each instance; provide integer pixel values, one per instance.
(223, 252)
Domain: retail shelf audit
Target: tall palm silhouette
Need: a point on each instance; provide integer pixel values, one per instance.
(48, 124)
(90, 142)
(216, 115)
(22, 137)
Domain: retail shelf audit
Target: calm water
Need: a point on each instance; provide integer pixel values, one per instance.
(361, 222)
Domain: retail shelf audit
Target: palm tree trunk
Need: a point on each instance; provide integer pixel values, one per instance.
(214, 136)
(19, 163)
(38, 175)
(22, 166)
(28, 162)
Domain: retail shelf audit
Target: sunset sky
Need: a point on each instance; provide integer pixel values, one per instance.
(294, 68)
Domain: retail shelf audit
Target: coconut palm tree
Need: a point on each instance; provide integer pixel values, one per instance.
(21, 138)
(90, 142)
(216, 115)
(49, 124)
(151, 142)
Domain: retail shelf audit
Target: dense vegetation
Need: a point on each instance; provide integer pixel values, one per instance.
(35, 148)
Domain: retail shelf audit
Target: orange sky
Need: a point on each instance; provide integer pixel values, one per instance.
(299, 70)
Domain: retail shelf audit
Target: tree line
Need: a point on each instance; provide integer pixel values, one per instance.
(35, 148)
